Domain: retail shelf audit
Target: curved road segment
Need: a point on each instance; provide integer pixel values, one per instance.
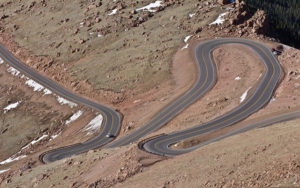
(111, 117)
(256, 101)
(206, 80)
(160, 145)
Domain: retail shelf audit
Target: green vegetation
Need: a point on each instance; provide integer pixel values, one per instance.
(284, 16)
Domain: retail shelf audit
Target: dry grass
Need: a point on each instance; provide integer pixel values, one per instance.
(125, 57)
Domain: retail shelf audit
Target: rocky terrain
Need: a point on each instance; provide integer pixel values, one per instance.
(75, 43)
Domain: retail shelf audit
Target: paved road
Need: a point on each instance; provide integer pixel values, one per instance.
(161, 145)
(112, 118)
(256, 101)
(206, 80)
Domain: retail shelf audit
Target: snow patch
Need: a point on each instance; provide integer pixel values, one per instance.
(186, 46)
(94, 124)
(36, 86)
(11, 159)
(47, 91)
(273, 99)
(63, 101)
(237, 78)
(187, 38)
(1, 61)
(191, 15)
(54, 136)
(229, 8)
(13, 71)
(259, 76)
(34, 141)
(136, 101)
(150, 7)
(243, 97)
(113, 12)
(11, 106)
(5, 170)
(220, 19)
(74, 117)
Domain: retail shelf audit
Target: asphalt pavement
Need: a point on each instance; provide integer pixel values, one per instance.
(160, 145)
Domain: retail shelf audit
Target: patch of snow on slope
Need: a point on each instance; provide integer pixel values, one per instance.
(13, 71)
(113, 12)
(63, 101)
(150, 7)
(36, 86)
(94, 124)
(11, 106)
(243, 97)
(11, 159)
(185, 46)
(1, 61)
(191, 15)
(187, 38)
(5, 170)
(237, 78)
(47, 91)
(74, 117)
(273, 99)
(54, 136)
(259, 76)
(220, 19)
(34, 141)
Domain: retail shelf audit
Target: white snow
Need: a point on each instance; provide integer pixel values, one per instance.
(229, 8)
(13, 71)
(187, 38)
(54, 136)
(11, 106)
(63, 101)
(5, 170)
(113, 12)
(237, 78)
(11, 159)
(259, 76)
(136, 101)
(36, 86)
(47, 91)
(23, 76)
(74, 117)
(150, 6)
(94, 124)
(220, 19)
(34, 141)
(99, 35)
(243, 97)
(186, 46)
(191, 15)
(1, 61)
(273, 99)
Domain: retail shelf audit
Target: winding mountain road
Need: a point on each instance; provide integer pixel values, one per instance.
(206, 80)
(112, 119)
(160, 145)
